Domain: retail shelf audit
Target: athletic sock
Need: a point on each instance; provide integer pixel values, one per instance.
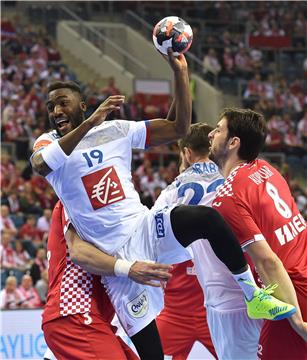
(246, 282)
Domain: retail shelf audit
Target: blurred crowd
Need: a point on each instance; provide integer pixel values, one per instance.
(30, 60)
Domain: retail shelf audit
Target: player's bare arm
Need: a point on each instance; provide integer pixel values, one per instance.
(165, 130)
(95, 261)
(69, 141)
(271, 271)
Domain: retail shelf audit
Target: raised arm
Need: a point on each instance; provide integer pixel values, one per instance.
(97, 262)
(178, 120)
(54, 155)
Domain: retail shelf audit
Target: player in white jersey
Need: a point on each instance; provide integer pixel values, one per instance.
(233, 333)
(89, 167)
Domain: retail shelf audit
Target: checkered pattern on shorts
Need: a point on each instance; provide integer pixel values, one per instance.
(76, 290)
(226, 188)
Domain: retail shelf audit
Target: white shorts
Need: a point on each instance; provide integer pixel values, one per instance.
(234, 334)
(137, 305)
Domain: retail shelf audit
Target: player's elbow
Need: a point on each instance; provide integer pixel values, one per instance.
(39, 165)
(182, 130)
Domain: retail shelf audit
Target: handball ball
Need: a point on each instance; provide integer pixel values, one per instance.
(173, 32)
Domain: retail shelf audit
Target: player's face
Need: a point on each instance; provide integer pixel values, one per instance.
(65, 110)
(218, 142)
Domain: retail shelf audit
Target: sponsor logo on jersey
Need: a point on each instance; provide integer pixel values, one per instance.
(103, 187)
(138, 307)
(160, 225)
(289, 231)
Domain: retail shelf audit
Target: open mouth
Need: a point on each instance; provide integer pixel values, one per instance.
(61, 123)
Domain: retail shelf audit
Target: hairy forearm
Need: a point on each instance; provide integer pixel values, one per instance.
(88, 256)
(272, 271)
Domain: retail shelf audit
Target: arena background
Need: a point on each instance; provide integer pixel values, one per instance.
(250, 54)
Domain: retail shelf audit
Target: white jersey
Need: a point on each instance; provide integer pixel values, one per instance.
(95, 183)
(197, 186)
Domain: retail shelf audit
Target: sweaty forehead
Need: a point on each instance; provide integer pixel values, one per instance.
(61, 93)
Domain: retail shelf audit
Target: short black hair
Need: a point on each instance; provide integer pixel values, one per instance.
(197, 139)
(248, 125)
(72, 85)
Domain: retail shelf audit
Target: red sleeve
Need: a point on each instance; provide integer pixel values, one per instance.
(238, 216)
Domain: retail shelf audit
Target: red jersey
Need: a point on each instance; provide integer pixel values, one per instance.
(257, 203)
(183, 295)
(72, 290)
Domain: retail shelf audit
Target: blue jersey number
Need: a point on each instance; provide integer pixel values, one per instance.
(198, 190)
(212, 187)
(93, 155)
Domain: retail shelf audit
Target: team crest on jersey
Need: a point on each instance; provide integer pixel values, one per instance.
(103, 187)
(138, 307)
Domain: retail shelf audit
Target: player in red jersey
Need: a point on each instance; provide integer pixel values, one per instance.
(77, 315)
(183, 320)
(256, 201)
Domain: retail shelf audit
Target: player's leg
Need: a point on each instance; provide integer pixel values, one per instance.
(190, 223)
(176, 335)
(234, 334)
(137, 306)
(202, 334)
(148, 344)
(71, 338)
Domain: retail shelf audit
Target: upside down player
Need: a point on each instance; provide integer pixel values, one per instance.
(90, 162)
(256, 201)
(233, 333)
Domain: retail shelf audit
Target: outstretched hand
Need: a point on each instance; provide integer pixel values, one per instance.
(110, 104)
(177, 63)
(147, 273)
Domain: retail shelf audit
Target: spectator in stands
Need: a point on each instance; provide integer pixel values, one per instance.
(243, 63)
(30, 235)
(43, 223)
(111, 88)
(13, 203)
(32, 299)
(228, 63)
(7, 254)
(211, 66)
(22, 258)
(274, 141)
(10, 110)
(39, 265)
(302, 129)
(30, 232)
(6, 223)
(42, 286)
(255, 89)
(10, 297)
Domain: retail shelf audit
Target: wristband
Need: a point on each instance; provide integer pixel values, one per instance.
(54, 156)
(122, 267)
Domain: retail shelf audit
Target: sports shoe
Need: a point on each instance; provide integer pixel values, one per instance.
(265, 306)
